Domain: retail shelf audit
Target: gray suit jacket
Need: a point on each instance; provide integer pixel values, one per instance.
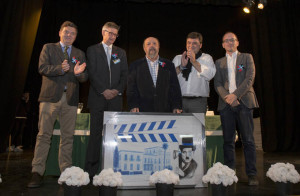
(54, 79)
(101, 77)
(245, 74)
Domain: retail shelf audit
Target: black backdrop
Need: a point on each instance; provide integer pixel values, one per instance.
(269, 34)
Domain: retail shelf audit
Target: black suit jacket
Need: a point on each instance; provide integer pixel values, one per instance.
(101, 78)
(54, 79)
(142, 94)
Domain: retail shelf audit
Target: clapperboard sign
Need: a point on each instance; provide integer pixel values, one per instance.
(138, 144)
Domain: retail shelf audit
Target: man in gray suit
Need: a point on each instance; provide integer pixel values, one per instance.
(234, 83)
(62, 67)
(107, 68)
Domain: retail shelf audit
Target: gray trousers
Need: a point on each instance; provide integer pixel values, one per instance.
(194, 104)
(67, 118)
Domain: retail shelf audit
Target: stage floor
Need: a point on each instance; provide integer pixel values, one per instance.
(15, 170)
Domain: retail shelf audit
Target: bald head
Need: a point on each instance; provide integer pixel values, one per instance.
(151, 48)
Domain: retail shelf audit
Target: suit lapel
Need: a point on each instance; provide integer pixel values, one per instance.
(160, 72)
(113, 51)
(146, 72)
(73, 54)
(103, 53)
(224, 66)
(238, 61)
(59, 51)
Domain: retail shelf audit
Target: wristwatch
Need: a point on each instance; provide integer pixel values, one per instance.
(181, 68)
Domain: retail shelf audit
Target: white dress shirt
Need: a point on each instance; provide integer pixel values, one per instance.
(197, 84)
(231, 64)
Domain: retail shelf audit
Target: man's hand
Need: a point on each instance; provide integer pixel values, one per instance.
(235, 103)
(78, 69)
(230, 98)
(135, 110)
(177, 111)
(65, 66)
(115, 92)
(191, 55)
(110, 94)
(184, 59)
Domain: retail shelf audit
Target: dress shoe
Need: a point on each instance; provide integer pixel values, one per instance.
(36, 180)
(252, 181)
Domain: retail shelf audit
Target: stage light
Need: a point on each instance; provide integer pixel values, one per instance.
(246, 10)
(249, 4)
(261, 4)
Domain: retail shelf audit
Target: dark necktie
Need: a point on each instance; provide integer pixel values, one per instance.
(66, 53)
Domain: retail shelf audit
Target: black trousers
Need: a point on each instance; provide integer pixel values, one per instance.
(94, 151)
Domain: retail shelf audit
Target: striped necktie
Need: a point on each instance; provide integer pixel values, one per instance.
(66, 55)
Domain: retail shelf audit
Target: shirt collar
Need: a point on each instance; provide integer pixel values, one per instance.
(234, 54)
(63, 45)
(152, 61)
(106, 46)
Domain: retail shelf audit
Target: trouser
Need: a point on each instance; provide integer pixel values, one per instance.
(94, 150)
(194, 104)
(244, 118)
(67, 119)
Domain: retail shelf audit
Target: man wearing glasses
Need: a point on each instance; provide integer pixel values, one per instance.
(234, 83)
(107, 66)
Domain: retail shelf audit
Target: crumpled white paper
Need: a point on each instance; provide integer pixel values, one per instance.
(74, 176)
(165, 176)
(108, 177)
(281, 172)
(220, 173)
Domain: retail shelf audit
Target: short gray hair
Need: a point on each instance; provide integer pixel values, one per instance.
(110, 25)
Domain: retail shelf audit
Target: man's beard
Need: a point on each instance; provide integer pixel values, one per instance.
(152, 53)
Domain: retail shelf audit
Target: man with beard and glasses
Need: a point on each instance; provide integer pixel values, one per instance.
(194, 70)
(152, 82)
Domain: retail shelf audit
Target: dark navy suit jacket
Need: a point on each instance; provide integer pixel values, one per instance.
(142, 93)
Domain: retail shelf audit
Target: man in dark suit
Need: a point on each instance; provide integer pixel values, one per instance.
(152, 82)
(234, 83)
(62, 67)
(107, 67)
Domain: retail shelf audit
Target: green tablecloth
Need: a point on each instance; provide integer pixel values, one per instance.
(214, 143)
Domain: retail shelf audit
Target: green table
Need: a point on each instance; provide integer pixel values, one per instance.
(213, 132)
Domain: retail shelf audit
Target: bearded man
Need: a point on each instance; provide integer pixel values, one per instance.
(152, 82)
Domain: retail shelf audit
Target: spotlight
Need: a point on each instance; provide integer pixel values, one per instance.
(261, 4)
(246, 10)
(249, 4)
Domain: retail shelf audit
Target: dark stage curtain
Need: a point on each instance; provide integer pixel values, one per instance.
(276, 45)
(20, 19)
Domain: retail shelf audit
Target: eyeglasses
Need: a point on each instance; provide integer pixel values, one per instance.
(111, 33)
(229, 40)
